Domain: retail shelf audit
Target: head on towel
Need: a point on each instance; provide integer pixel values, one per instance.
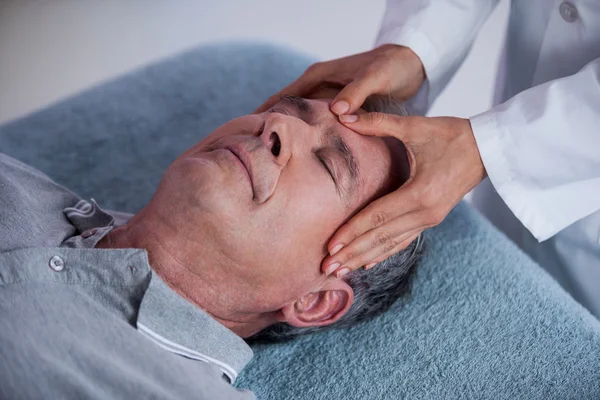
(240, 222)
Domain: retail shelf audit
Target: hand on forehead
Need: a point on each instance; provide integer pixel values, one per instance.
(362, 164)
(269, 190)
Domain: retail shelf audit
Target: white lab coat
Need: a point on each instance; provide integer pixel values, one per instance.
(541, 143)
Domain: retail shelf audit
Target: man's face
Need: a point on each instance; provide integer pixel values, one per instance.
(267, 191)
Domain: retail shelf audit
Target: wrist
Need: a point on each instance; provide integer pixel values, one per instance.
(413, 70)
(479, 167)
(415, 65)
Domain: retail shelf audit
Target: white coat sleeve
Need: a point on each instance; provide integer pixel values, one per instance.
(541, 150)
(440, 32)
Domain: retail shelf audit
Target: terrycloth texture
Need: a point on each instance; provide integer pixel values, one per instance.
(483, 321)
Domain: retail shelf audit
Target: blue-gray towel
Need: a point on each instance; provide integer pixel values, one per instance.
(483, 321)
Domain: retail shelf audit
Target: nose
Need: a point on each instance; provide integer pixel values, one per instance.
(275, 143)
(281, 134)
(284, 136)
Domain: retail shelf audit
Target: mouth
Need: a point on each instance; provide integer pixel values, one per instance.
(242, 160)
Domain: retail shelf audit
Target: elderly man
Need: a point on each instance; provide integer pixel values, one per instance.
(95, 304)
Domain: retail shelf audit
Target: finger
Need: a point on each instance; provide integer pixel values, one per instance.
(308, 81)
(411, 238)
(379, 212)
(353, 95)
(375, 242)
(378, 253)
(379, 124)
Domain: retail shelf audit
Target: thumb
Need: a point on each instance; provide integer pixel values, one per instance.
(353, 95)
(378, 124)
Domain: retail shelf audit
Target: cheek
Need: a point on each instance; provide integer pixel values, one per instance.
(294, 228)
(309, 205)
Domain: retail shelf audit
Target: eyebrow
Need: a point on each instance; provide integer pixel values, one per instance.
(333, 138)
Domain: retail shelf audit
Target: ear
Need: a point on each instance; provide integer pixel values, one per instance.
(319, 308)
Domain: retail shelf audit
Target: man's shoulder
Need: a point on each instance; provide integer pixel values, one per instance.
(85, 350)
(9, 165)
(31, 207)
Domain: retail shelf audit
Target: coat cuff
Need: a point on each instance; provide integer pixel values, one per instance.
(494, 143)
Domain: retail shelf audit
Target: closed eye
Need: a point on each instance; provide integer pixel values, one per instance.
(319, 156)
(327, 168)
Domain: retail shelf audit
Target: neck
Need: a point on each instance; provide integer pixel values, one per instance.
(199, 277)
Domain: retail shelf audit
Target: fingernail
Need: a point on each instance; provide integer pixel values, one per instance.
(370, 265)
(340, 107)
(332, 268)
(341, 272)
(348, 118)
(335, 249)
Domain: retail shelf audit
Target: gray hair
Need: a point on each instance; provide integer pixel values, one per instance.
(375, 290)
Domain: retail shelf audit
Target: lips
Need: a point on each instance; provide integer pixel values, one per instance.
(244, 159)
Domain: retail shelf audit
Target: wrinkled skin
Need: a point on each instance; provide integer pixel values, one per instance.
(240, 222)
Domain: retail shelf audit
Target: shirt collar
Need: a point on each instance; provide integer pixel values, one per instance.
(92, 224)
(165, 317)
(182, 328)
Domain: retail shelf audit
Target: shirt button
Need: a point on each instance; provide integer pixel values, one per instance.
(568, 12)
(88, 233)
(57, 263)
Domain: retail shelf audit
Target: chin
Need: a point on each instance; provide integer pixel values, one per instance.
(197, 182)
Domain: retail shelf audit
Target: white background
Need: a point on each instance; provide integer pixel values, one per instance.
(52, 49)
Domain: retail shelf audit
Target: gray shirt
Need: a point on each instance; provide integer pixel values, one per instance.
(79, 322)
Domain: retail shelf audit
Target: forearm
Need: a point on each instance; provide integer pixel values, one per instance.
(440, 32)
(541, 150)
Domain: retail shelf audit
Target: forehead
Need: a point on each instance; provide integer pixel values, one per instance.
(373, 154)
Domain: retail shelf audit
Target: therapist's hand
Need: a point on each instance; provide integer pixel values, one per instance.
(389, 69)
(445, 165)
